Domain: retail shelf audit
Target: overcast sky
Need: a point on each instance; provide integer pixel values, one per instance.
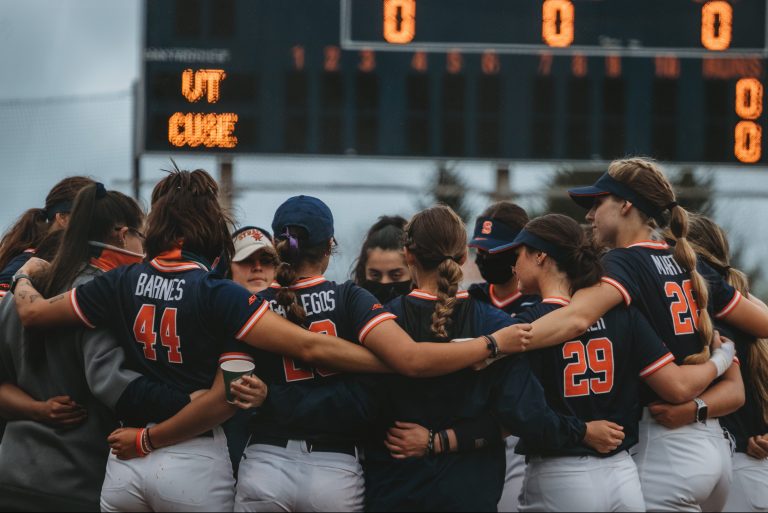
(65, 108)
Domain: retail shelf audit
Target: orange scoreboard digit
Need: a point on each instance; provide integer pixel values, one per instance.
(680, 80)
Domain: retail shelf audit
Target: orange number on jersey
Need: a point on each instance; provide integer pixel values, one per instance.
(399, 21)
(144, 332)
(716, 25)
(684, 310)
(557, 22)
(294, 373)
(598, 357)
(168, 336)
(574, 387)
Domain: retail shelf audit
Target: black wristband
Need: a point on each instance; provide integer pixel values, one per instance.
(15, 280)
(492, 345)
(445, 442)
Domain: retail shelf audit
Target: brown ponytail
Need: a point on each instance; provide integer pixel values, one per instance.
(437, 238)
(33, 225)
(646, 178)
(711, 243)
(293, 254)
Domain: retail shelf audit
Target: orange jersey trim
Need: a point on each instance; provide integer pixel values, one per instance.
(502, 302)
(730, 306)
(658, 364)
(422, 294)
(251, 322)
(618, 286)
(78, 311)
(555, 300)
(308, 282)
(373, 323)
(650, 244)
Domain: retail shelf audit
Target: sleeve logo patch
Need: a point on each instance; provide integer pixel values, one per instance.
(251, 300)
(377, 306)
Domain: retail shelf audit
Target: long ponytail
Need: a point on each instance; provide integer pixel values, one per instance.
(711, 243)
(646, 178)
(437, 238)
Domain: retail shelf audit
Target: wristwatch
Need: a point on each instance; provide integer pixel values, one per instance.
(701, 410)
(15, 280)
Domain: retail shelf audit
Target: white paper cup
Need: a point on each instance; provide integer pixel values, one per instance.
(234, 370)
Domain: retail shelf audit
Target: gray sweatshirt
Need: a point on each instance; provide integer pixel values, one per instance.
(47, 468)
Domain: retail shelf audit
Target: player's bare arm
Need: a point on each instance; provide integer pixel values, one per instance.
(681, 384)
(199, 416)
(586, 307)
(34, 310)
(395, 347)
(749, 316)
(60, 411)
(724, 397)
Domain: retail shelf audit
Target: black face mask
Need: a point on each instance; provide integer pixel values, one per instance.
(385, 292)
(496, 269)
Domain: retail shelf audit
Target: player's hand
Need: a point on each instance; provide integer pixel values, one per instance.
(33, 265)
(60, 411)
(603, 436)
(514, 339)
(673, 416)
(757, 447)
(407, 440)
(717, 341)
(122, 441)
(249, 392)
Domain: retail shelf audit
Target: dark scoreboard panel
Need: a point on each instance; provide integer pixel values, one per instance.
(681, 80)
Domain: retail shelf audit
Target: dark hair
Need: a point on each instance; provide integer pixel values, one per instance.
(291, 258)
(581, 258)
(92, 218)
(387, 234)
(645, 177)
(186, 213)
(437, 238)
(508, 213)
(34, 224)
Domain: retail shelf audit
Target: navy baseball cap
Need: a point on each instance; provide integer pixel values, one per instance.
(526, 238)
(605, 185)
(307, 212)
(492, 235)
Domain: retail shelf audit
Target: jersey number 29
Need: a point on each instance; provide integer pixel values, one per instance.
(295, 372)
(596, 355)
(144, 332)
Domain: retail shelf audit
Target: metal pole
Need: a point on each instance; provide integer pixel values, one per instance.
(225, 182)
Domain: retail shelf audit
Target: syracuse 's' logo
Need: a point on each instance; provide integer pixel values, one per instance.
(487, 226)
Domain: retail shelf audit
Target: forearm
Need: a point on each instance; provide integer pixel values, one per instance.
(35, 310)
(725, 396)
(428, 359)
(679, 384)
(15, 404)
(199, 416)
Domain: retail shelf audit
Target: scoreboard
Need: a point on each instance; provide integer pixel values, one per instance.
(680, 80)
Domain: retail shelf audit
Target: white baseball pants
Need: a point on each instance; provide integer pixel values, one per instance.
(749, 490)
(513, 480)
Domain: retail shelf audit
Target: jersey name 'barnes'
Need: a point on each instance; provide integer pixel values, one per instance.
(157, 287)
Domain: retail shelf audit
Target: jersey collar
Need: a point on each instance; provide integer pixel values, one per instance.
(303, 283)
(106, 257)
(177, 260)
(650, 244)
(423, 294)
(502, 302)
(556, 300)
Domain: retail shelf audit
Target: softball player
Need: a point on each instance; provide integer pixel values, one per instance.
(667, 284)
(596, 376)
(495, 229)
(328, 473)
(19, 243)
(749, 425)
(197, 318)
(380, 268)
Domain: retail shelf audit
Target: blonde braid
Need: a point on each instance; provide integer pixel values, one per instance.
(449, 276)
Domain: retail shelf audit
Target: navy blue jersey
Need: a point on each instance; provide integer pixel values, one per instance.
(342, 310)
(6, 275)
(647, 276)
(467, 481)
(597, 376)
(174, 319)
(748, 420)
(512, 305)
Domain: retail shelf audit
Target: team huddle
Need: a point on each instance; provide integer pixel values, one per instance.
(621, 366)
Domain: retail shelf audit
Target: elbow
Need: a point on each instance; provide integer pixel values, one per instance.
(578, 326)
(678, 393)
(412, 365)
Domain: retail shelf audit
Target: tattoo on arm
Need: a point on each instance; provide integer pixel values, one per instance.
(57, 298)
